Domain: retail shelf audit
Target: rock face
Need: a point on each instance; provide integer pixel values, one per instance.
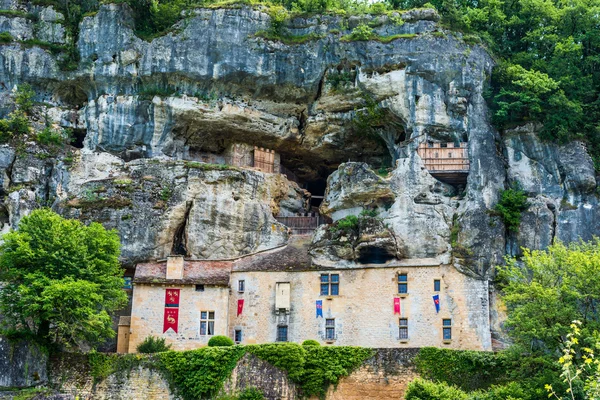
(22, 364)
(146, 116)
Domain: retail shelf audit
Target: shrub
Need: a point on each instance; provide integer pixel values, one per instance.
(153, 345)
(360, 33)
(218, 340)
(512, 203)
(369, 212)
(420, 389)
(49, 136)
(345, 225)
(251, 393)
(468, 370)
(18, 123)
(310, 342)
(24, 97)
(6, 37)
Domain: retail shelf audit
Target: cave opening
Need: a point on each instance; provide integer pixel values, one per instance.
(179, 247)
(374, 255)
(78, 137)
(317, 191)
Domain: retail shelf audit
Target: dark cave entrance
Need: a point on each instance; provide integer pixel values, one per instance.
(374, 255)
(317, 191)
(78, 137)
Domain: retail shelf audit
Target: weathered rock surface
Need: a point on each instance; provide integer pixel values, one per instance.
(147, 112)
(22, 364)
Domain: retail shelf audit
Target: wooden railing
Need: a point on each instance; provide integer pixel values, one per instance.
(444, 157)
(302, 224)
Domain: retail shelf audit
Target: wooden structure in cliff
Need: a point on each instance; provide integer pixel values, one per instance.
(448, 162)
(264, 159)
(258, 158)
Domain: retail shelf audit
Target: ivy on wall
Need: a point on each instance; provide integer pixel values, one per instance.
(200, 374)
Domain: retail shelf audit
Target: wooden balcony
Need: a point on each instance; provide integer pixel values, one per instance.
(446, 161)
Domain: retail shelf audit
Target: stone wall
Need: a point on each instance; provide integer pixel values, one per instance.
(364, 309)
(384, 376)
(22, 364)
(148, 315)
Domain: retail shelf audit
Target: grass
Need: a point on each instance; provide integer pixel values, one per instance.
(17, 13)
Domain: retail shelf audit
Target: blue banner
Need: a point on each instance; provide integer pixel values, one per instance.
(319, 308)
(436, 301)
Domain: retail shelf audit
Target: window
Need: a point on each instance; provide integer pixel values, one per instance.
(436, 285)
(127, 283)
(403, 283)
(449, 155)
(447, 328)
(237, 336)
(207, 323)
(403, 329)
(330, 329)
(282, 333)
(241, 285)
(330, 284)
(199, 288)
(443, 144)
(437, 155)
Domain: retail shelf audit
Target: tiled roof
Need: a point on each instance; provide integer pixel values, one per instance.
(194, 272)
(293, 257)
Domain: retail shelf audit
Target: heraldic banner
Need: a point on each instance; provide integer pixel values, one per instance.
(171, 309)
(171, 318)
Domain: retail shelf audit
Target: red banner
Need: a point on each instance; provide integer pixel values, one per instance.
(171, 318)
(240, 306)
(396, 305)
(172, 298)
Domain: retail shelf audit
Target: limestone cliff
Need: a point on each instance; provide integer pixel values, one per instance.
(147, 115)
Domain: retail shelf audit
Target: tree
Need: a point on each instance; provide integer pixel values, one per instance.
(62, 279)
(550, 289)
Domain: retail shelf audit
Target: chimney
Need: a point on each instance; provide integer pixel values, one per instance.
(175, 267)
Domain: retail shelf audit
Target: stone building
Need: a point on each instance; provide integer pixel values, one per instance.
(185, 302)
(280, 295)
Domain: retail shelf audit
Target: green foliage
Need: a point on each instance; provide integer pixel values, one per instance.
(467, 370)
(62, 279)
(251, 394)
(420, 389)
(24, 97)
(219, 340)
(580, 369)
(314, 368)
(361, 32)
(18, 123)
(510, 207)
(326, 365)
(199, 374)
(153, 344)
(310, 342)
(345, 225)
(5, 37)
(548, 68)
(550, 289)
(287, 356)
(369, 212)
(49, 136)
(166, 193)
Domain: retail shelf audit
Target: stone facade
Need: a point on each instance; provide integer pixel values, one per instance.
(273, 297)
(149, 308)
(364, 309)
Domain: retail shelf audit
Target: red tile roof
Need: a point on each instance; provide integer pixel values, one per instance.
(194, 272)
